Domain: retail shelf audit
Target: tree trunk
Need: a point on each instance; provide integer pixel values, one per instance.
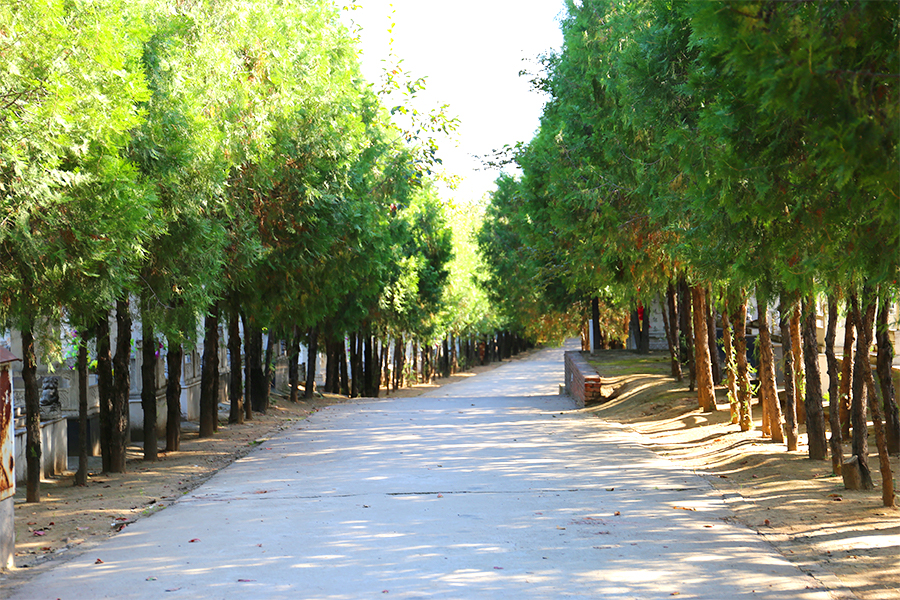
(799, 370)
(887, 478)
(847, 372)
(311, 359)
(104, 388)
(454, 360)
(268, 370)
(293, 366)
(209, 376)
(858, 419)
(645, 332)
(32, 417)
(386, 365)
(674, 343)
(743, 375)
(174, 360)
(790, 388)
(82, 360)
(711, 335)
(815, 419)
(248, 351)
(355, 362)
(730, 368)
(705, 390)
(256, 382)
(148, 385)
(342, 361)
(595, 323)
(235, 383)
(118, 414)
(767, 391)
(883, 366)
(446, 361)
(684, 313)
(415, 362)
(837, 451)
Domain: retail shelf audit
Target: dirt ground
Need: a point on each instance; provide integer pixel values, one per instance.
(844, 538)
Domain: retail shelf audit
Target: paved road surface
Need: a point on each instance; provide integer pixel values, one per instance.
(494, 487)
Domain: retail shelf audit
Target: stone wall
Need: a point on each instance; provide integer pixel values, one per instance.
(583, 383)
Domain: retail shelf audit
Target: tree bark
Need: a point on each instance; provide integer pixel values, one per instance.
(293, 366)
(174, 360)
(82, 360)
(248, 351)
(268, 365)
(311, 359)
(883, 366)
(815, 419)
(790, 389)
(32, 417)
(674, 343)
(743, 374)
(595, 323)
(684, 313)
(887, 478)
(705, 390)
(834, 421)
(235, 383)
(148, 385)
(858, 418)
(799, 371)
(118, 414)
(730, 368)
(342, 361)
(847, 372)
(104, 388)
(209, 376)
(711, 335)
(768, 393)
(256, 381)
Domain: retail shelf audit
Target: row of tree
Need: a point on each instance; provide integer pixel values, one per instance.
(216, 161)
(704, 152)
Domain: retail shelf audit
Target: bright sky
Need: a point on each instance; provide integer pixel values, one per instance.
(471, 52)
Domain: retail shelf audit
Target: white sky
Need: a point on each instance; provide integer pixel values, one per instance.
(471, 52)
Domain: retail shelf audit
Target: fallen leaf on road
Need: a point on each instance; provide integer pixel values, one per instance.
(193, 540)
(39, 532)
(245, 580)
(617, 513)
(98, 562)
(684, 508)
(499, 568)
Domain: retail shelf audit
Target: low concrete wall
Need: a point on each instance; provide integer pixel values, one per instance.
(54, 449)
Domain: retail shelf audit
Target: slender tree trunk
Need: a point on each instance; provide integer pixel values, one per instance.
(684, 313)
(209, 376)
(743, 375)
(415, 362)
(790, 389)
(799, 371)
(355, 362)
(815, 418)
(32, 418)
(847, 372)
(711, 335)
(595, 322)
(148, 385)
(104, 388)
(82, 360)
(883, 366)
(235, 383)
(674, 343)
(730, 368)
(268, 370)
(386, 364)
(293, 366)
(705, 389)
(342, 362)
(118, 415)
(312, 355)
(858, 417)
(174, 360)
(248, 351)
(259, 393)
(454, 361)
(767, 391)
(446, 364)
(887, 478)
(837, 451)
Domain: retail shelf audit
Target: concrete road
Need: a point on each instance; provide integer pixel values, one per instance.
(494, 487)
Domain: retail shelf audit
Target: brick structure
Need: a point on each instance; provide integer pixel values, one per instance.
(583, 383)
